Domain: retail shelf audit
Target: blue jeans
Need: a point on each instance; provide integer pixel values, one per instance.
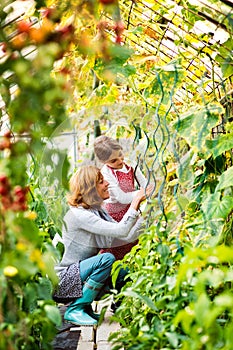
(98, 267)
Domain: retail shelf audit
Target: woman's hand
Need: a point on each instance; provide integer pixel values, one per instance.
(141, 195)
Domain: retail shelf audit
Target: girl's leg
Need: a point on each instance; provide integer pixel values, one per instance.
(98, 267)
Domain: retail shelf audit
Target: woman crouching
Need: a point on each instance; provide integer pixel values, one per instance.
(82, 272)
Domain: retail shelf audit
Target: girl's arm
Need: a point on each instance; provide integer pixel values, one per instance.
(136, 229)
(116, 193)
(139, 226)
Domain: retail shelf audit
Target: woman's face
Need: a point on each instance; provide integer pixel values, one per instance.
(102, 188)
(116, 160)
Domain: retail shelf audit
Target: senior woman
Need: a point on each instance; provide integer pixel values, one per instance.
(82, 272)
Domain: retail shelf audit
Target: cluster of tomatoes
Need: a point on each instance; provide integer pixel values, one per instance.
(12, 198)
(5, 142)
(119, 28)
(47, 30)
(104, 26)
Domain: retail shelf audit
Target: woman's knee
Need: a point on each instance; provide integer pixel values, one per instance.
(108, 258)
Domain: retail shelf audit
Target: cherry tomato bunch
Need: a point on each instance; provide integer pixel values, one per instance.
(15, 198)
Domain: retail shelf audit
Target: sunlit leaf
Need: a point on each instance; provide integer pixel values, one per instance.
(195, 126)
(225, 180)
(216, 207)
(225, 58)
(173, 339)
(220, 144)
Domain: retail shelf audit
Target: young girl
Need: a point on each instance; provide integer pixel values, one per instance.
(122, 179)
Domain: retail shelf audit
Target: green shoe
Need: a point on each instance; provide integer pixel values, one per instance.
(76, 312)
(79, 317)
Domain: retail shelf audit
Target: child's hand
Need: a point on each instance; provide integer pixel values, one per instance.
(148, 190)
(141, 195)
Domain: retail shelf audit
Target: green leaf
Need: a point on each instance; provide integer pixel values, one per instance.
(216, 208)
(28, 229)
(118, 68)
(53, 314)
(30, 297)
(220, 144)
(120, 54)
(223, 253)
(182, 202)
(44, 289)
(166, 79)
(225, 180)
(163, 250)
(185, 317)
(172, 338)
(184, 172)
(130, 293)
(227, 67)
(224, 300)
(225, 58)
(201, 308)
(190, 13)
(195, 126)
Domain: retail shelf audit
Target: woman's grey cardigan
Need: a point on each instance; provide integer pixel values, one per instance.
(85, 232)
